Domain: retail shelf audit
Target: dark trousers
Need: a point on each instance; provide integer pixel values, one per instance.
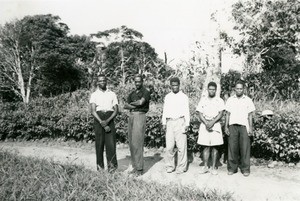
(105, 139)
(136, 135)
(238, 149)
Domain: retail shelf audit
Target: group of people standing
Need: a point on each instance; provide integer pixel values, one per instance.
(238, 110)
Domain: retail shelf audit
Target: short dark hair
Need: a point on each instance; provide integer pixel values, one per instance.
(240, 82)
(140, 76)
(212, 84)
(174, 79)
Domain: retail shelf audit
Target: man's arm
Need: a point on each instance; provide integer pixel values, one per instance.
(113, 115)
(129, 106)
(140, 102)
(202, 119)
(250, 120)
(187, 114)
(146, 97)
(227, 123)
(164, 118)
(94, 113)
(215, 120)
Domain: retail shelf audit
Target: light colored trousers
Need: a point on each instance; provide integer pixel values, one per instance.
(175, 136)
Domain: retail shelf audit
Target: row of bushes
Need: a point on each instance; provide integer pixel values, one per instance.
(67, 116)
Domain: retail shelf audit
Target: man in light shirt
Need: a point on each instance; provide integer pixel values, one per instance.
(210, 133)
(239, 126)
(104, 108)
(176, 121)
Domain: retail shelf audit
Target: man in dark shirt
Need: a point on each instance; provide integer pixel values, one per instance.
(138, 105)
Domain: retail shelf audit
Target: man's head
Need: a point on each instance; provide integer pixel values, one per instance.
(175, 84)
(102, 82)
(239, 88)
(212, 88)
(138, 81)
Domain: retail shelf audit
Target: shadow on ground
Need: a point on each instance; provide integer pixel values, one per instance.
(149, 161)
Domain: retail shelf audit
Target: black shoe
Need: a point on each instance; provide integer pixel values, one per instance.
(112, 170)
(246, 174)
(231, 172)
(136, 173)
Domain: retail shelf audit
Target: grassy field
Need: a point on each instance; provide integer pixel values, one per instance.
(23, 178)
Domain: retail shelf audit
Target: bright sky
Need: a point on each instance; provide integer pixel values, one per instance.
(170, 26)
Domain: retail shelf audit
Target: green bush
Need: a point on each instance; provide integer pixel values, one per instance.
(269, 85)
(277, 138)
(67, 116)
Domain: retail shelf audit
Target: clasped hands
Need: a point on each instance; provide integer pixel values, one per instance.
(209, 125)
(104, 124)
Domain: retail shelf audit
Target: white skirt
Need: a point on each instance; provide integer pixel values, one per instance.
(210, 138)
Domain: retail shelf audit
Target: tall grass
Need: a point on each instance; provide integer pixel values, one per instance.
(23, 178)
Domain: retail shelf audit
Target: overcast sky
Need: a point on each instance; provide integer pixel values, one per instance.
(167, 25)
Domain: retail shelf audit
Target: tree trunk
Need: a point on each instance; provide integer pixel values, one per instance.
(20, 83)
(123, 67)
(213, 72)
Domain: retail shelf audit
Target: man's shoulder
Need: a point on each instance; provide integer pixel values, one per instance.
(111, 92)
(145, 90)
(168, 95)
(95, 92)
(183, 94)
(219, 99)
(247, 98)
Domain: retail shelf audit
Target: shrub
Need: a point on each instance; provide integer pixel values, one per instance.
(67, 116)
(277, 138)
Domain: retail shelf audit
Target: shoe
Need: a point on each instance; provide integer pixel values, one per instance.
(136, 173)
(214, 172)
(230, 173)
(112, 170)
(246, 174)
(204, 170)
(180, 171)
(170, 170)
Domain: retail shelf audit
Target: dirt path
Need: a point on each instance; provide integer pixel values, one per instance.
(279, 183)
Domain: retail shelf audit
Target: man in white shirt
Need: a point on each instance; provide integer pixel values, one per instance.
(176, 121)
(104, 108)
(210, 133)
(239, 126)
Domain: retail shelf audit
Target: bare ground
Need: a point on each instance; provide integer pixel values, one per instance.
(279, 183)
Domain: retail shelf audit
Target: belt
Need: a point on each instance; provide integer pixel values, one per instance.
(104, 111)
(172, 119)
(237, 125)
(137, 112)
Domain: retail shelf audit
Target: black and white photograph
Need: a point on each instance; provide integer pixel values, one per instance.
(150, 100)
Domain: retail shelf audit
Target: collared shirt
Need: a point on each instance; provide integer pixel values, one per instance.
(137, 95)
(239, 109)
(210, 107)
(176, 106)
(104, 100)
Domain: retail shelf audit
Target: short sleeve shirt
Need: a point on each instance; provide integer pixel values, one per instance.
(142, 93)
(104, 100)
(210, 107)
(239, 109)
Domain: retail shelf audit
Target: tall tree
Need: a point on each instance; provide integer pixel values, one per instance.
(270, 32)
(122, 53)
(24, 47)
(37, 55)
